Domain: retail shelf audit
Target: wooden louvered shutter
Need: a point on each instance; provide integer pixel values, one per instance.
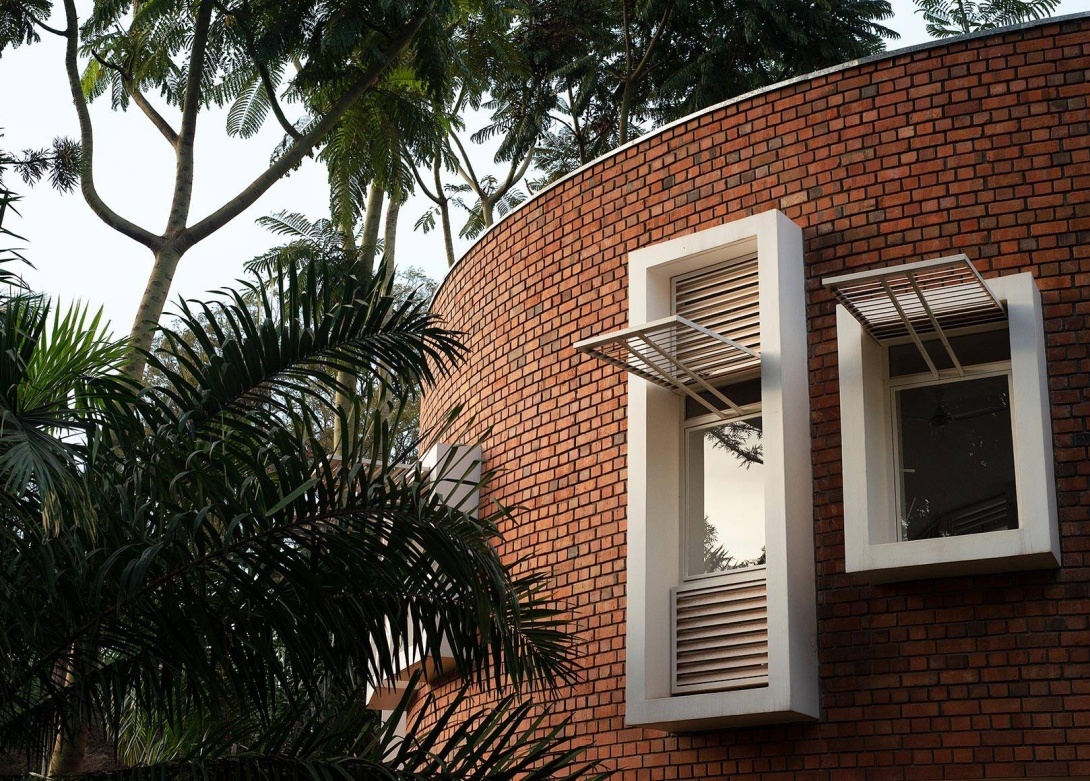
(721, 634)
(723, 299)
(720, 623)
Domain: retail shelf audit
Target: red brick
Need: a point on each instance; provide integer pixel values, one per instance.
(976, 146)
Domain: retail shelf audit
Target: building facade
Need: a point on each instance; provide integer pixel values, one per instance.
(850, 314)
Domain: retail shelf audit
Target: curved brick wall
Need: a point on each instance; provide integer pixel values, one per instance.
(980, 146)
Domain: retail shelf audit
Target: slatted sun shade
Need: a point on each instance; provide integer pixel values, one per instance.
(714, 334)
(919, 301)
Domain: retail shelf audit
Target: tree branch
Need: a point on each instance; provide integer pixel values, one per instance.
(299, 149)
(149, 111)
(626, 79)
(638, 73)
(512, 176)
(467, 172)
(138, 98)
(423, 186)
(627, 38)
(266, 82)
(87, 141)
(457, 109)
(274, 102)
(575, 129)
(47, 28)
(191, 105)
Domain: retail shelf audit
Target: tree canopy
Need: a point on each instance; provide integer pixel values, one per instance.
(380, 89)
(172, 59)
(600, 73)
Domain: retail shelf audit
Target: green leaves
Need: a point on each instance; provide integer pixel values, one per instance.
(249, 109)
(633, 65)
(947, 18)
(59, 383)
(19, 21)
(243, 585)
(60, 163)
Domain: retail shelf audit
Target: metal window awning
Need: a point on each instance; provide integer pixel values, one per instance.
(919, 301)
(678, 354)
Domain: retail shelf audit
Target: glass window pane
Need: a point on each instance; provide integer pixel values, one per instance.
(971, 349)
(956, 458)
(725, 501)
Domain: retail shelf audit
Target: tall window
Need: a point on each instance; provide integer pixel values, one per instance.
(718, 479)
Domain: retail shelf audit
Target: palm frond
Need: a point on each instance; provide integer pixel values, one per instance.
(242, 566)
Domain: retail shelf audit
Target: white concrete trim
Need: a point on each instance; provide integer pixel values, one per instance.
(455, 474)
(654, 501)
(871, 549)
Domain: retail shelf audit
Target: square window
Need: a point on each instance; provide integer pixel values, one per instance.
(946, 437)
(955, 458)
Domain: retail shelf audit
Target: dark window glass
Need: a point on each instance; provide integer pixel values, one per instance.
(971, 350)
(741, 393)
(956, 458)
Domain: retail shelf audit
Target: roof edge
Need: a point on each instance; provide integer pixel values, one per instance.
(886, 55)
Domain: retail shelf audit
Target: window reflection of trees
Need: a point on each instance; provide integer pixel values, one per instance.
(742, 439)
(733, 438)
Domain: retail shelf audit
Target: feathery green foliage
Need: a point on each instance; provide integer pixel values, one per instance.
(227, 586)
(947, 18)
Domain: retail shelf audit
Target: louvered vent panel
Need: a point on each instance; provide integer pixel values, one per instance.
(721, 634)
(723, 299)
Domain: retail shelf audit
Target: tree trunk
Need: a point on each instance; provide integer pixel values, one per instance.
(69, 752)
(487, 205)
(626, 107)
(577, 131)
(448, 235)
(366, 268)
(389, 241)
(70, 747)
(443, 203)
(151, 307)
(622, 122)
(372, 220)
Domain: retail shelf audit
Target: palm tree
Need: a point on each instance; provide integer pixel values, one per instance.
(187, 566)
(321, 242)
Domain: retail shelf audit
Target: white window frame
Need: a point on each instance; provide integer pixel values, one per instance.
(872, 549)
(655, 480)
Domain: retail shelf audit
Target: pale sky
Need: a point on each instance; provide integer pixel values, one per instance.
(77, 257)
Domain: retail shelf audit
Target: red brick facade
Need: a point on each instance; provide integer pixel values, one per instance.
(979, 146)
